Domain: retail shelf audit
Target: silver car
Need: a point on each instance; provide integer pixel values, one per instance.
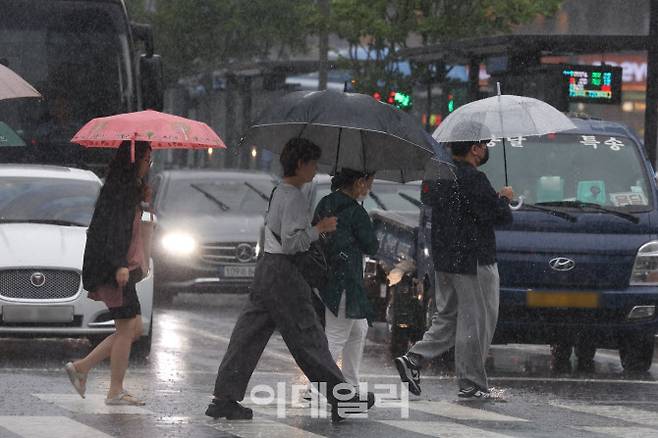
(208, 225)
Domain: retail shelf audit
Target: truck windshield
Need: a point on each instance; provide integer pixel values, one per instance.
(77, 55)
(603, 169)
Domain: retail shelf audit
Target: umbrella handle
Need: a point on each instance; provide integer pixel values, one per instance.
(519, 203)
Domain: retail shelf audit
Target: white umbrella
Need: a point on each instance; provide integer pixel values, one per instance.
(501, 117)
(12, 86)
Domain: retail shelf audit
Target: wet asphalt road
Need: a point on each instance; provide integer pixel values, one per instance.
(37, 400)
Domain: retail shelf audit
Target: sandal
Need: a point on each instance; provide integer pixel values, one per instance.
(78, 380)
(124, 399)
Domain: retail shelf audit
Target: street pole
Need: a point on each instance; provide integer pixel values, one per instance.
(324, 44)
(651, 112)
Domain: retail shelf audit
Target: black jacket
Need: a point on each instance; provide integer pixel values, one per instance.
(109, 233)
(464, 213)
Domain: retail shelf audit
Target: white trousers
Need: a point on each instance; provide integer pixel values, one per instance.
(346, 336)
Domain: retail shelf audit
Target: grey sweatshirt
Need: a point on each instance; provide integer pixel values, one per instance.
(289, 217)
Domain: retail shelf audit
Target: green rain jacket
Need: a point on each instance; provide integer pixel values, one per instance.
(354, 237)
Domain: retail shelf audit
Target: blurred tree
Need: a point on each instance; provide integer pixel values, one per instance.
(205, 34)
(377, 28)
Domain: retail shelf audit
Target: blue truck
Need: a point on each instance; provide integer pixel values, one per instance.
(579, 265)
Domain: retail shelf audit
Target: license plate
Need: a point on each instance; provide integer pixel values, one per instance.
(46, 314)
(582, 300)
(239, 271)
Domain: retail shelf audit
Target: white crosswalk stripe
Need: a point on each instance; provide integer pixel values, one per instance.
(624, 413)
(284, 421)
(93, 404)
(259, 427)
(459, 412)
(55, 426)
(622, 432)
(444, 428)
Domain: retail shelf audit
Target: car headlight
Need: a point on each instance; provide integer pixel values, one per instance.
(179, 244)
(645, 269)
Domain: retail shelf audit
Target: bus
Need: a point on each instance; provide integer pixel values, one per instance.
(82, 56)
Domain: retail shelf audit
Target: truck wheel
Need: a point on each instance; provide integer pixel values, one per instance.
(560, 356)
(585, 354)
(400, 341)
(636, 353)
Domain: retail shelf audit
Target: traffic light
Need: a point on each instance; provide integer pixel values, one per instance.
(382, 93)
(451, 103)
(395, 98)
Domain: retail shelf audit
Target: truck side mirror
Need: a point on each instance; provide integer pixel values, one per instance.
(151, 82)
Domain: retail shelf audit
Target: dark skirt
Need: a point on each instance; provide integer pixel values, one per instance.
(130, 306)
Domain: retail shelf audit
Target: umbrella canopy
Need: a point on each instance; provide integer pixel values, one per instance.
(501, 116)
(12, 86)
(161, 130)
(354, 131)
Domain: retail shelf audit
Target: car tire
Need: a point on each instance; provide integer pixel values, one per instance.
(636, 353)
(141, 348)
(561, 356)
(163, 297)
(94, 340)
(585, 354)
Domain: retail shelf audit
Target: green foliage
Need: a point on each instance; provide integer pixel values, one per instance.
(380, 27)
(203, 34)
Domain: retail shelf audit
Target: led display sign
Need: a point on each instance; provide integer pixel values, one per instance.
(592, 83)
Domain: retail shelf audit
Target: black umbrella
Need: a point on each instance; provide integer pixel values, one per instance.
(354, 131)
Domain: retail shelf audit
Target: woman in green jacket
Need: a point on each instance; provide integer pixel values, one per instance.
(348, 312)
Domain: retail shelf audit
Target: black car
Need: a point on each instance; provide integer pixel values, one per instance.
(208, 227)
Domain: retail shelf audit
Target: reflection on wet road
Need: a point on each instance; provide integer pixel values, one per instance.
(191, 336)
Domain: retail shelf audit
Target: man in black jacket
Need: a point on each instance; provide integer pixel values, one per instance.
(464, 213)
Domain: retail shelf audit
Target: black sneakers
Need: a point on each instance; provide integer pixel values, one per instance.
(474, 393)
(342, 408)
(229, 409)
(409, 373)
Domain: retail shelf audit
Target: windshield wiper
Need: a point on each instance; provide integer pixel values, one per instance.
(261, 194)
(377, 200)
(43, 221)
(581, 205)
(411, 199)
(556, 213)
(217, 202)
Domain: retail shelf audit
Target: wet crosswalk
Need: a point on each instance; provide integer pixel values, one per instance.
(88, 418)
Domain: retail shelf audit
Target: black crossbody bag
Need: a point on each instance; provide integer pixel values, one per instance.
(312, 264)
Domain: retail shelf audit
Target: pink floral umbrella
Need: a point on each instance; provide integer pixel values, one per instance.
(161, 130)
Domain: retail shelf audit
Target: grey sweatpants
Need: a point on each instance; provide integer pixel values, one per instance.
(279, 299)
(466, 317)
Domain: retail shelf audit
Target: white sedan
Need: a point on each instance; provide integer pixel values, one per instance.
(44, 215)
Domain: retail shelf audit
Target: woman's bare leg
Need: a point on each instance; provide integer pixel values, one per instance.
(97, 355)
(103, 350)
(123, 339)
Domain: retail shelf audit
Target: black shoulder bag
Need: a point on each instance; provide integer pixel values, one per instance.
(312, 264)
